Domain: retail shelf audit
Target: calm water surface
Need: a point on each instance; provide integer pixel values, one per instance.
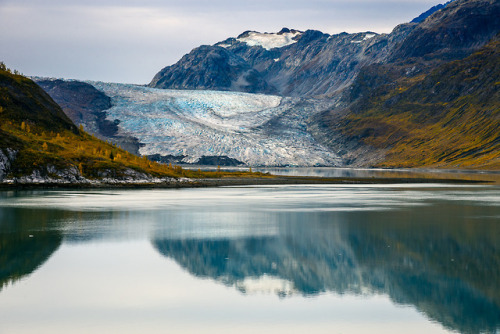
(269, 259)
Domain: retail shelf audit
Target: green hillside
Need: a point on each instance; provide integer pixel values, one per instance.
(447, 118)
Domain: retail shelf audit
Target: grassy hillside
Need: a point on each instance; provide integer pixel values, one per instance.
(46, 140)
(447, 118)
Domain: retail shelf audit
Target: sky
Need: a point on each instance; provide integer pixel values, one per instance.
(129, 41)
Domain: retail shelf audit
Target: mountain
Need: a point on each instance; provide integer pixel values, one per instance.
(312, 63)
(290, 62)
(212, 68)
(434, 102)
(454, 32)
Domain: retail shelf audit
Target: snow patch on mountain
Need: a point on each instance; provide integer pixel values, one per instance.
(257, 129)
(368, 36)
(269, 40)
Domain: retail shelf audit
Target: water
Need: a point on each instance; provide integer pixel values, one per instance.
(269, 259)
(379, 173)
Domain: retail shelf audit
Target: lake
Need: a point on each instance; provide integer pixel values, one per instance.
(263, 259)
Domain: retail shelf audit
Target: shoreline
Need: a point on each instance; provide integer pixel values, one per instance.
(229, 181)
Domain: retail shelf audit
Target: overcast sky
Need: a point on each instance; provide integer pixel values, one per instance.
(130, 40)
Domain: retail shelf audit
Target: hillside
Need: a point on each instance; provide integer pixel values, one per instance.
(449, 117)
(39, 143)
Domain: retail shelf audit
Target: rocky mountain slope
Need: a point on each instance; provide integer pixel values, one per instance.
(215, 68)
(429, 12)
(451, 33)
(449, 117)
(305, 63)
(86, 106)
(311, 63)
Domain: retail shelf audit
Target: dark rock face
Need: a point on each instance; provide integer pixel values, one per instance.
(212, 67)
(85, 105)
(80, 101)
(204, 160)
(167, 159)
(453, 32)
(218, 161)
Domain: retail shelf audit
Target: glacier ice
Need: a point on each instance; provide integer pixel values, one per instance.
(269, 40)
(260, 130)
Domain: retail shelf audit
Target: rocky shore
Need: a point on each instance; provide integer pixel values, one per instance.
(151, 182)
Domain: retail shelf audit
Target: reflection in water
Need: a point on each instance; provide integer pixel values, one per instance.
(25, 243)
(436, 248)
(444, 260)
(340, 172)
(30, 236)
(381, 172)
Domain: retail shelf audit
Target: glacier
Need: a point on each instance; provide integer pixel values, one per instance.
(257, 129)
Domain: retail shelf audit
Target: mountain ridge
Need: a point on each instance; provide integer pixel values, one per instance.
(319, 64)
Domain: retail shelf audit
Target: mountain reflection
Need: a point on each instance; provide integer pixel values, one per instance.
(29, 237)
(25, 242)
(446, 265)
